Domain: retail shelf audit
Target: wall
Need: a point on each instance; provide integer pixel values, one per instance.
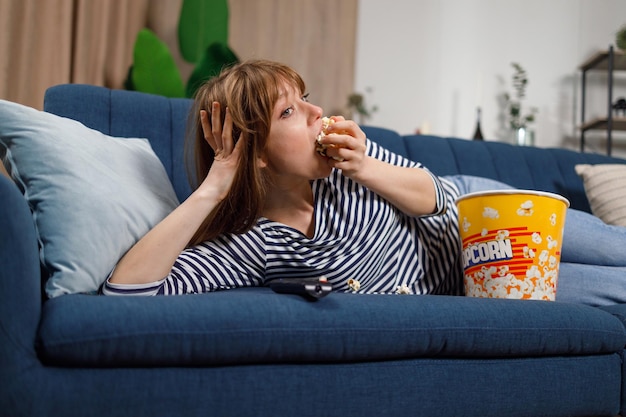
(430, 63)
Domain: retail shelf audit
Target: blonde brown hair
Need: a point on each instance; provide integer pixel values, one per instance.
(250, 90)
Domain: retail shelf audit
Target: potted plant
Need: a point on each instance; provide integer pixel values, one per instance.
(620, 38)
(358, 107)
(519, 122)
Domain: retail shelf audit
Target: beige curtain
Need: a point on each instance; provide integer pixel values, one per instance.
(316, 37)
(49, 42)
(104, 33)
(35, 47)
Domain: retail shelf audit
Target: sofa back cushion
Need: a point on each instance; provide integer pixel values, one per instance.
(544, 169)
(123, 113)
(92, 196)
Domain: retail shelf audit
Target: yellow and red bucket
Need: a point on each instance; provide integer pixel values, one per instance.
(511, 243)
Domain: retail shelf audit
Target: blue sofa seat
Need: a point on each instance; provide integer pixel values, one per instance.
(252, 352)
(257, 326)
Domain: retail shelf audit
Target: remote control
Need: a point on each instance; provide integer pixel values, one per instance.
(310, 288)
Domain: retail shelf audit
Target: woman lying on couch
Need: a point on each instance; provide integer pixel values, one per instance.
(281, 198)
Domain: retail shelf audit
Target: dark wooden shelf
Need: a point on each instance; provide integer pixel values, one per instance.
(600, 61)
(611, 60)
(619, 123)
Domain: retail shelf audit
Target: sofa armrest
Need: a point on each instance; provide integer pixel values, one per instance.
(20, 279)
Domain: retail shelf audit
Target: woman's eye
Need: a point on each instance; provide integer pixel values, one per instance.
(287, 112)
(305, 98)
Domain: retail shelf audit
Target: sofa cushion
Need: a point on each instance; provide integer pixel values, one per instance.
(92, 195)
(618, 310)
(387, 138)
(605, 185)
(255, 325)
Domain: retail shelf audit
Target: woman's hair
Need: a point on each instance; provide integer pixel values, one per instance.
(250, 90)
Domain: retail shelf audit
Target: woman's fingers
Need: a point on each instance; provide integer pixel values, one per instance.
(206, 129)
(344, 134)
(216, 126)
(218, 136)
(227, 134)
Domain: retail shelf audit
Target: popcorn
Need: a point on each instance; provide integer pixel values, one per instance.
(466, 225)
(487, 272)
(528, 252)
(552, 262)
(533, 272)
(526, 208)
(490, 213)
(538, 282)
(354, 284)
(403, 289)
(502, 234)
(553, 219)
(320, 148)
(534, 286)
(511, 243)
(536, 238)
(551, 242)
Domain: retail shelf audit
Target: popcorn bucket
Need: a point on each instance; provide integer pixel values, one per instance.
(511, 243)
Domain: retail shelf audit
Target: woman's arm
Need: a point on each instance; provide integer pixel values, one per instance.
(412, 190)
(153, 256)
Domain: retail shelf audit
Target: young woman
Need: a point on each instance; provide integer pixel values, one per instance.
(269, 206)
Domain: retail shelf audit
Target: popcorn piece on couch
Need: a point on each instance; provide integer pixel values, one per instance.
(354, 284)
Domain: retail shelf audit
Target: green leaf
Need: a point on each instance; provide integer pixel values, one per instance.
(216, 57)
(154, 70)
(620, 38)
(128, 82)
(201, 23)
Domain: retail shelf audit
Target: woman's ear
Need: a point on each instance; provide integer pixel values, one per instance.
(261, 161)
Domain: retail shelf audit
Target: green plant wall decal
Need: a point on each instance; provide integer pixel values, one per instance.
(214, 58)
(154, 70)
(202, 41)
(201, 23)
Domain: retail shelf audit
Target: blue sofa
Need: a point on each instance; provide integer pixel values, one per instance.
(252, 352)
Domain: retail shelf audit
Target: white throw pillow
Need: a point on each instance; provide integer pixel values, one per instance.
(605, 187)
(92, 196)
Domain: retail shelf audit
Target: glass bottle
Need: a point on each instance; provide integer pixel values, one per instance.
(478, 134)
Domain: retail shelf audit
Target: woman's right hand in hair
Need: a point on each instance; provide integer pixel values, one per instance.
(151, 258)
(227, 153)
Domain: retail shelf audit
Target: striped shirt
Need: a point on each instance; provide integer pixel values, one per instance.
(361, 243)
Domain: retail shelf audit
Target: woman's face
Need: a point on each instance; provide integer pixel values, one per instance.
(290, 148)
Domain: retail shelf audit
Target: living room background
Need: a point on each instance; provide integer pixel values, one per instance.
(437, 60)
(425, 64)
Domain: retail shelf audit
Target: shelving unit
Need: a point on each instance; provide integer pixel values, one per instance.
(610, 61)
